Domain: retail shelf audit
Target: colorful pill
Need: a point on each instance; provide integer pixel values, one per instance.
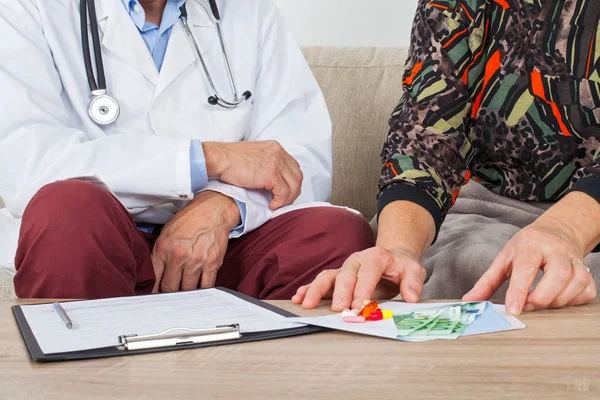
(349, 313)
(355, 319)
(368, 308)
(387, 314)
(376, 316)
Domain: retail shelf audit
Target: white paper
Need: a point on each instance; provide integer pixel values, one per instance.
(387, 328)
(99, 323)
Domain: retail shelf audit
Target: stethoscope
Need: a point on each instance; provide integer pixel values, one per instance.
(104, 109)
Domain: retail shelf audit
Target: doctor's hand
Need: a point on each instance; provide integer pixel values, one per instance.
(376, 273)
(191, 247)
(256, 165)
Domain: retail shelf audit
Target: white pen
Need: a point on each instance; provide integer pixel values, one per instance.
(63, 315)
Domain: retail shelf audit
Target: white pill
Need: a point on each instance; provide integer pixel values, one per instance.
(349, 313)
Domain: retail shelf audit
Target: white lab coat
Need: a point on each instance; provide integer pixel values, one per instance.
(46, 135)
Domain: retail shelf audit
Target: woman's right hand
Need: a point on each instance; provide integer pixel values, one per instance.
(375, 273)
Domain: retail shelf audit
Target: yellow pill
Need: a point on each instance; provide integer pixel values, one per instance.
(387, 314)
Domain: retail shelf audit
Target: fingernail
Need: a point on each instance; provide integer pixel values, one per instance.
(513, 308)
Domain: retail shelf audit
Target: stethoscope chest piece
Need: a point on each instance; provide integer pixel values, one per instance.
(104, 109)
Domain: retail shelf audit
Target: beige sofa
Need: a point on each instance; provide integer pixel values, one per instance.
(361, 85)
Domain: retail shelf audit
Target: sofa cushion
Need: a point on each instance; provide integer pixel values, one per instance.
(361, 86)
(7, 289)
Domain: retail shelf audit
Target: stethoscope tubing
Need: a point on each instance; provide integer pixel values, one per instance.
(100, 85)
(216, 98)
(103, 108)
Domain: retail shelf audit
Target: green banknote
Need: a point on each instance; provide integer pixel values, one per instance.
(422, 331)
(409, 323)
(447, 322)
(448, 319)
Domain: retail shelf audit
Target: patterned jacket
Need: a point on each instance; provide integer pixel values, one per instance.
(506, 92)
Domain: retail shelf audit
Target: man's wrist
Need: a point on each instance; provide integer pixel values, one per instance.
(221, 206)
(213, 156)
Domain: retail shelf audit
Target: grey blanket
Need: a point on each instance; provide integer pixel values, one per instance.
(474, 232)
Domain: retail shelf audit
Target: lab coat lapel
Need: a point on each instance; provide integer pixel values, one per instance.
(121, 37)
(180, 50)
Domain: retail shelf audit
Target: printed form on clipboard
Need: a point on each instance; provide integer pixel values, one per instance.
(142, 324)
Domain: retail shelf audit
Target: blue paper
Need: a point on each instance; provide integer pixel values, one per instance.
(489, 321)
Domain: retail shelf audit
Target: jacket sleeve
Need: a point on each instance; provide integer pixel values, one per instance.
(288, 107)
(587, 178)
(427, 152)
(38, 144)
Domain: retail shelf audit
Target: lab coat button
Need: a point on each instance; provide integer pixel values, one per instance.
(184, 197)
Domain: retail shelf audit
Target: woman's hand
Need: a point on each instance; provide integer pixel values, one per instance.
(376, 273)
(548, 245)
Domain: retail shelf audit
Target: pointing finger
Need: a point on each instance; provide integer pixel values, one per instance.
(412, 282)
(368, 276)
(525, 266)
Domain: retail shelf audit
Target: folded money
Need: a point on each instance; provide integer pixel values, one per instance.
(447, 322)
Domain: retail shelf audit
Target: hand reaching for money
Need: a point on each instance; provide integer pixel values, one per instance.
(374, 273)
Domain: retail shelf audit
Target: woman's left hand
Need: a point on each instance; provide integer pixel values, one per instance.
(547, 245)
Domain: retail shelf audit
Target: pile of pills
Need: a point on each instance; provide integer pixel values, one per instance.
(370, 311)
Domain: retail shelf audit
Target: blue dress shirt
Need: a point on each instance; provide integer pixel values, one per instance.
(157, 40)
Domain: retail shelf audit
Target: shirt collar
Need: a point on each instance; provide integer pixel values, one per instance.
(138, 15)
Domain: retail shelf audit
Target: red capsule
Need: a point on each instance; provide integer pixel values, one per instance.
(376, 316)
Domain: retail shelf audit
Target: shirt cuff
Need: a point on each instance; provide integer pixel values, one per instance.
(406, 192)
(589, 185)
(198, 172)
(239, 230)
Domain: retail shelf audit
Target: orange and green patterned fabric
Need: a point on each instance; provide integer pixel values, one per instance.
(506, 92)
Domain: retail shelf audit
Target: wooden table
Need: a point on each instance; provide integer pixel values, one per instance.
(557, 356)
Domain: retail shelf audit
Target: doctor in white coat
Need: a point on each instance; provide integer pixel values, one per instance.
(176, 193)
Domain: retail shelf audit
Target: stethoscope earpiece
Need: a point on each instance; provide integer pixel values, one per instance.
(215, 99)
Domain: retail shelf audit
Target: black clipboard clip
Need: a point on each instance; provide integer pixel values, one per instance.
(185, 336)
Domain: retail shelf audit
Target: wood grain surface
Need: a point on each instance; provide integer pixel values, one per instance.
(556, 357)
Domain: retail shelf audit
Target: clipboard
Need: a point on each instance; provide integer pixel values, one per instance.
(171, 340)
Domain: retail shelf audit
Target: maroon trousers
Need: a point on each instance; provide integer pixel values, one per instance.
(78, 241)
